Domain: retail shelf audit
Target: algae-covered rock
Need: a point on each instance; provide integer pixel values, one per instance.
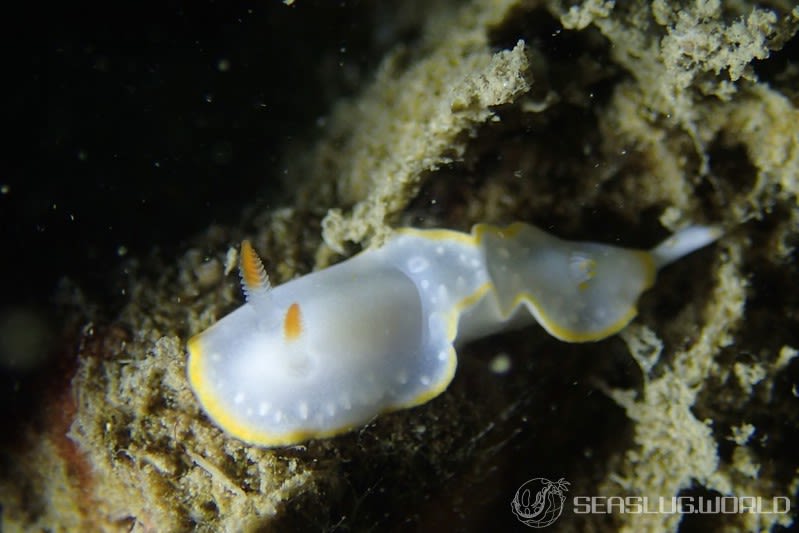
(598, 120)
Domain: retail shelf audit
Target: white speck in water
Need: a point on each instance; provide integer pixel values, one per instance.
(500, 364)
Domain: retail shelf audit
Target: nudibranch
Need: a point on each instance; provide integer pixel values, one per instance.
(327, 352)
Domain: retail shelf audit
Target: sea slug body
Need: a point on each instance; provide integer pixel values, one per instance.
(325, 353)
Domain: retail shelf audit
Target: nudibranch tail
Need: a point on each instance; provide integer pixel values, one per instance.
(254, 280)
(577, 291)
(683, 243)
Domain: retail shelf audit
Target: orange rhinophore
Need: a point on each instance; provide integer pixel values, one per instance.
(253, 274)
(292, 326)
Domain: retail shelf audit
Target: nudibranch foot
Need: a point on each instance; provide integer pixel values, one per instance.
(327, 352)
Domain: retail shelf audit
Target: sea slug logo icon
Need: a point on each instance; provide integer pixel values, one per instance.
(539, 501)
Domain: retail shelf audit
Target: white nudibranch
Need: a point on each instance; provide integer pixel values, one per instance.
(327, 352)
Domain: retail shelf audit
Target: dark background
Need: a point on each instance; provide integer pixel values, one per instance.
(136, 125)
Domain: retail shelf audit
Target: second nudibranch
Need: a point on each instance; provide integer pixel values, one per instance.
(327, 352)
